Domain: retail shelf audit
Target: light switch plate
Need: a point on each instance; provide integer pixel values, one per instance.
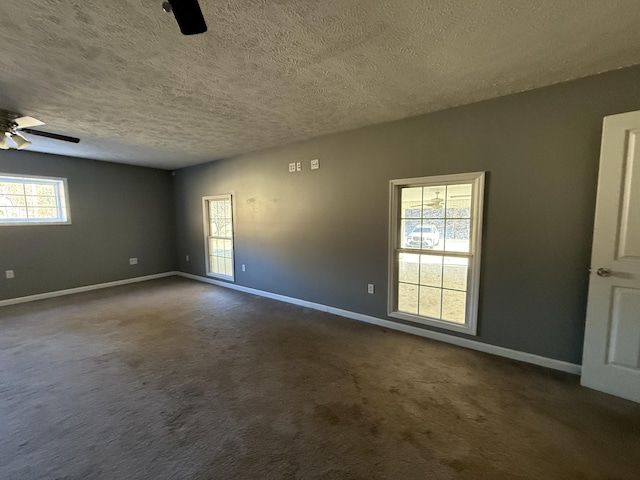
(292, 167)
(133, 261)
(9, 274)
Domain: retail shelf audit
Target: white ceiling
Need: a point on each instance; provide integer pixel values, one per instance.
(119, 75)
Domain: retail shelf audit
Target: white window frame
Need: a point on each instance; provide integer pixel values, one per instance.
(207, 226)
(61, 195)
(473, 278)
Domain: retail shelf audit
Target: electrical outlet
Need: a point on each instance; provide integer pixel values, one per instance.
(371, 288)
(9, 274)
(299, 166)
(133, 261)
(186, 257)
(243, 268)
(315, 164)
(292, 167)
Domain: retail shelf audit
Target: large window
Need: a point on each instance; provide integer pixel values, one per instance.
(434, 262)
(27, 200)
(218, 228)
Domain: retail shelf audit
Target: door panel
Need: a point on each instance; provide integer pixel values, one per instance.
(611, 360)
(624, 341)
(629, 226)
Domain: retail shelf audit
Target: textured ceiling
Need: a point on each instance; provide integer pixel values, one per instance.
(119, 74)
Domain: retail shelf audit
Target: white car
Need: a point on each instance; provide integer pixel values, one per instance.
(425, 236)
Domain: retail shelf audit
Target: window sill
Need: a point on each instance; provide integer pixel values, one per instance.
(221, 277)
(22, 224)
(468, 329)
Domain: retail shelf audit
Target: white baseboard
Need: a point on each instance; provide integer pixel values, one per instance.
(442, 337)
(59, 293)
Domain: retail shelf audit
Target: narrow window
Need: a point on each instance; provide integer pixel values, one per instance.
(218, 227)
(27, 200)
(434, 261)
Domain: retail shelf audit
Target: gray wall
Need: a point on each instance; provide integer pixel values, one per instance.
(117, 212)
(322, 235)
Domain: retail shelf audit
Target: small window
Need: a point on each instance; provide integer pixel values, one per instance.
(434, 262)
(26, 200)
(218, 227)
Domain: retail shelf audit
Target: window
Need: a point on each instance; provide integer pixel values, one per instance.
(218, 228)
(26, 200)
(434, 261)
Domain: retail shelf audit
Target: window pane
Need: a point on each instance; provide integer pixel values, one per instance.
(408, 268)
(407, 298)
(47, 190)
(222, 228)
(434, 202)
(407, 236)
(459, 201)
(425, 234)
(41, 201)
(431, 233)
(15, 200)
(431, 270)
(11, 188)
(7, 209)
(430, 302)
(226, 245)
(455, 273)
(457, 235)
(42, 213)
(228, 266)
(411, 203)
(453, 305)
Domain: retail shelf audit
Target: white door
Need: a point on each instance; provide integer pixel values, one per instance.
(611, 361)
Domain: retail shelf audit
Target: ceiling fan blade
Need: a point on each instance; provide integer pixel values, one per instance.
(26, 122)
(189, 16)
(55, 136)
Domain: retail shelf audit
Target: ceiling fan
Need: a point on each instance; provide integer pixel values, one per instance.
(12, 127)
(435, 202)
(188, 15)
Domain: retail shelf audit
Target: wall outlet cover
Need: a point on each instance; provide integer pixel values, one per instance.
(9, 274)
(299, 166)
(315, 164)
(371, 288)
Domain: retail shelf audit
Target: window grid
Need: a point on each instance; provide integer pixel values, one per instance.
(25, 200)
(219, 236)
(439, 285)
(433, 262)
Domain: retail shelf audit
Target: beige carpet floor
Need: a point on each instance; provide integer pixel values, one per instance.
(174, 379)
